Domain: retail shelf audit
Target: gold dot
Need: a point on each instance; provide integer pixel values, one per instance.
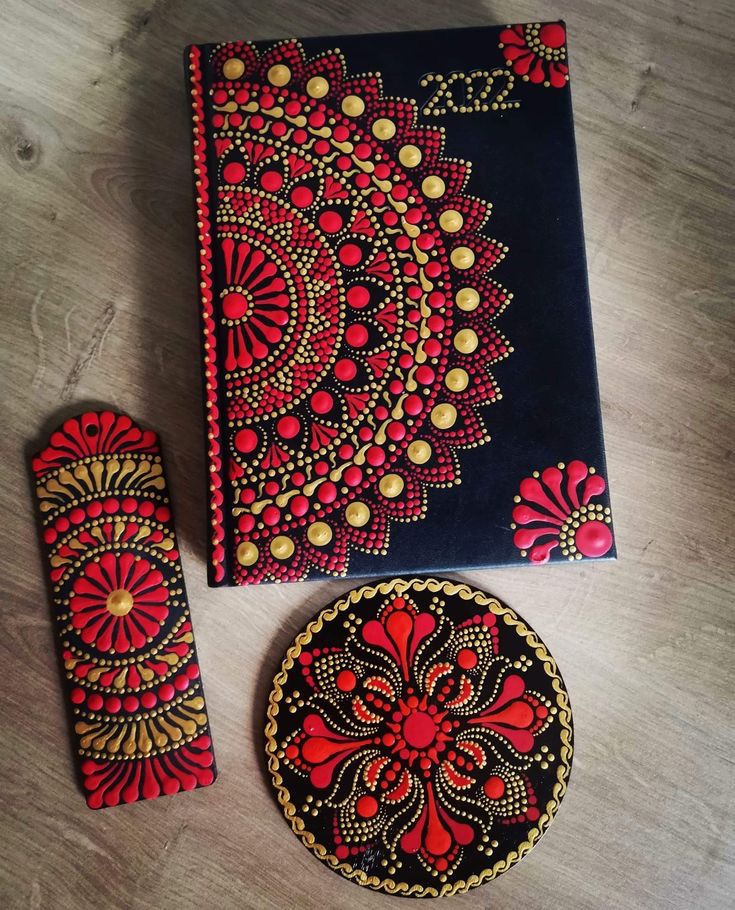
(391, 485)
(319, 534)
(317, 87)
(247, 554)
(353, 105)
(457, 379)
(384, 128)
(444, 416)
(282, 547)
(466, 341)
(279, 74)
(462, 257)
(419, 452)
(357, 514)
(119, 602)
(467, 299)
(409, 155)
(233, 68)
(451, 221)
(433, 187)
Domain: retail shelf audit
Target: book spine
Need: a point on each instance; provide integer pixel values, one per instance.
(217, 549)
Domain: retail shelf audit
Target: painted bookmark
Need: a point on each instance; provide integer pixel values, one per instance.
(139, 718)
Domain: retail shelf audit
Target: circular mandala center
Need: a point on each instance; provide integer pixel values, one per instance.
(234, 305)
(594, 538)
(419, 729)
(119, 602)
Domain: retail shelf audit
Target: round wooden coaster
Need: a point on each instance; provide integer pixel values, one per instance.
(419, 736)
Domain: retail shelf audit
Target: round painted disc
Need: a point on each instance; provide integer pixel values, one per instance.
(419, 736)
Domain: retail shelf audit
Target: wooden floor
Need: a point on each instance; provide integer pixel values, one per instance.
(96, 269)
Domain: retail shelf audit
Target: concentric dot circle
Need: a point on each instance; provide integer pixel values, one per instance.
(462, 257)
(357, 514)
(457, 379)
(384, 128)
(353, 105)
(279, 74)
(247, 553)
(433, 187)
(419, 452)
(319, 533)
(282, 547)
(391, 485)
(233, 68)
(466, 341)
(410, 155)
(317, 87)
(451, 221)
(467, 299)
(450, 625)
(444, 416)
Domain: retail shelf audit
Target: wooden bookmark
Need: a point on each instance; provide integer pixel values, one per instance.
(127, 645)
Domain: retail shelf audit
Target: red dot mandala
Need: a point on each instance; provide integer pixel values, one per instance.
(357, 312)
(401, 762)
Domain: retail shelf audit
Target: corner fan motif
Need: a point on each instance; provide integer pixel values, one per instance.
(356, 314)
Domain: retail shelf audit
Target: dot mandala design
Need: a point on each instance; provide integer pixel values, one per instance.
(560, 507)
(419, 737)
(126, 638)
(354, 321)
(537, 53)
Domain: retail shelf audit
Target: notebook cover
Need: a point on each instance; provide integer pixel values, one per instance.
(398, 357)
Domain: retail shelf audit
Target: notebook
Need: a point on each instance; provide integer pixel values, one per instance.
(398, 361)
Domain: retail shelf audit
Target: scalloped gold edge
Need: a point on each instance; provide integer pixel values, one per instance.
(399, 586)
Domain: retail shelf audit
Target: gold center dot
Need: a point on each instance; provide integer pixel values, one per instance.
(451, 221)
(457, 379)
(462, 257)
(444, 416)
(247, 554)
(357, 514)
(391, 485)
(419, 452)
(233, 68)
(279, 74)
(433, 187)
(467, 299)
(409, 155)
(353, 105)
(384, 128)
(466, 341)
(282, 547)
(317, 87)
(319, 534)
(119, 602)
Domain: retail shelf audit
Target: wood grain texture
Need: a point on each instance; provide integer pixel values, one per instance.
(99, 307)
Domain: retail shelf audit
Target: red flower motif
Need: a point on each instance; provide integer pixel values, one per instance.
(557, 504)
(254, 304)
(118, 603)
(537, 52)
(413, 721)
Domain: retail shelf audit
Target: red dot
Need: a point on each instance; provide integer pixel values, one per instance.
(148, 700)
(94, 702)
(233, 172)
(342, 852)
(113, 704)
(350, 254)
(77, 696)
(246, 441)
(467, 659)
(375, 456)
(356, 335)
(271, 515)
(552, 35)
(271, 181)
(494, 787)
(396, 431)
(352, 476)
(292, 751)
(330, 222)
(302, 196)
(131, 703)
(532, 814)
(366, 806)
(412, 405)
(424, 375)
(166, 692)
(299, 506)
(345, 369)
(234, 305)
(593, 539)
(346, 681)
(441, 864)
(288, 427)
(322, 402)
(327, 492)
(358, 296)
